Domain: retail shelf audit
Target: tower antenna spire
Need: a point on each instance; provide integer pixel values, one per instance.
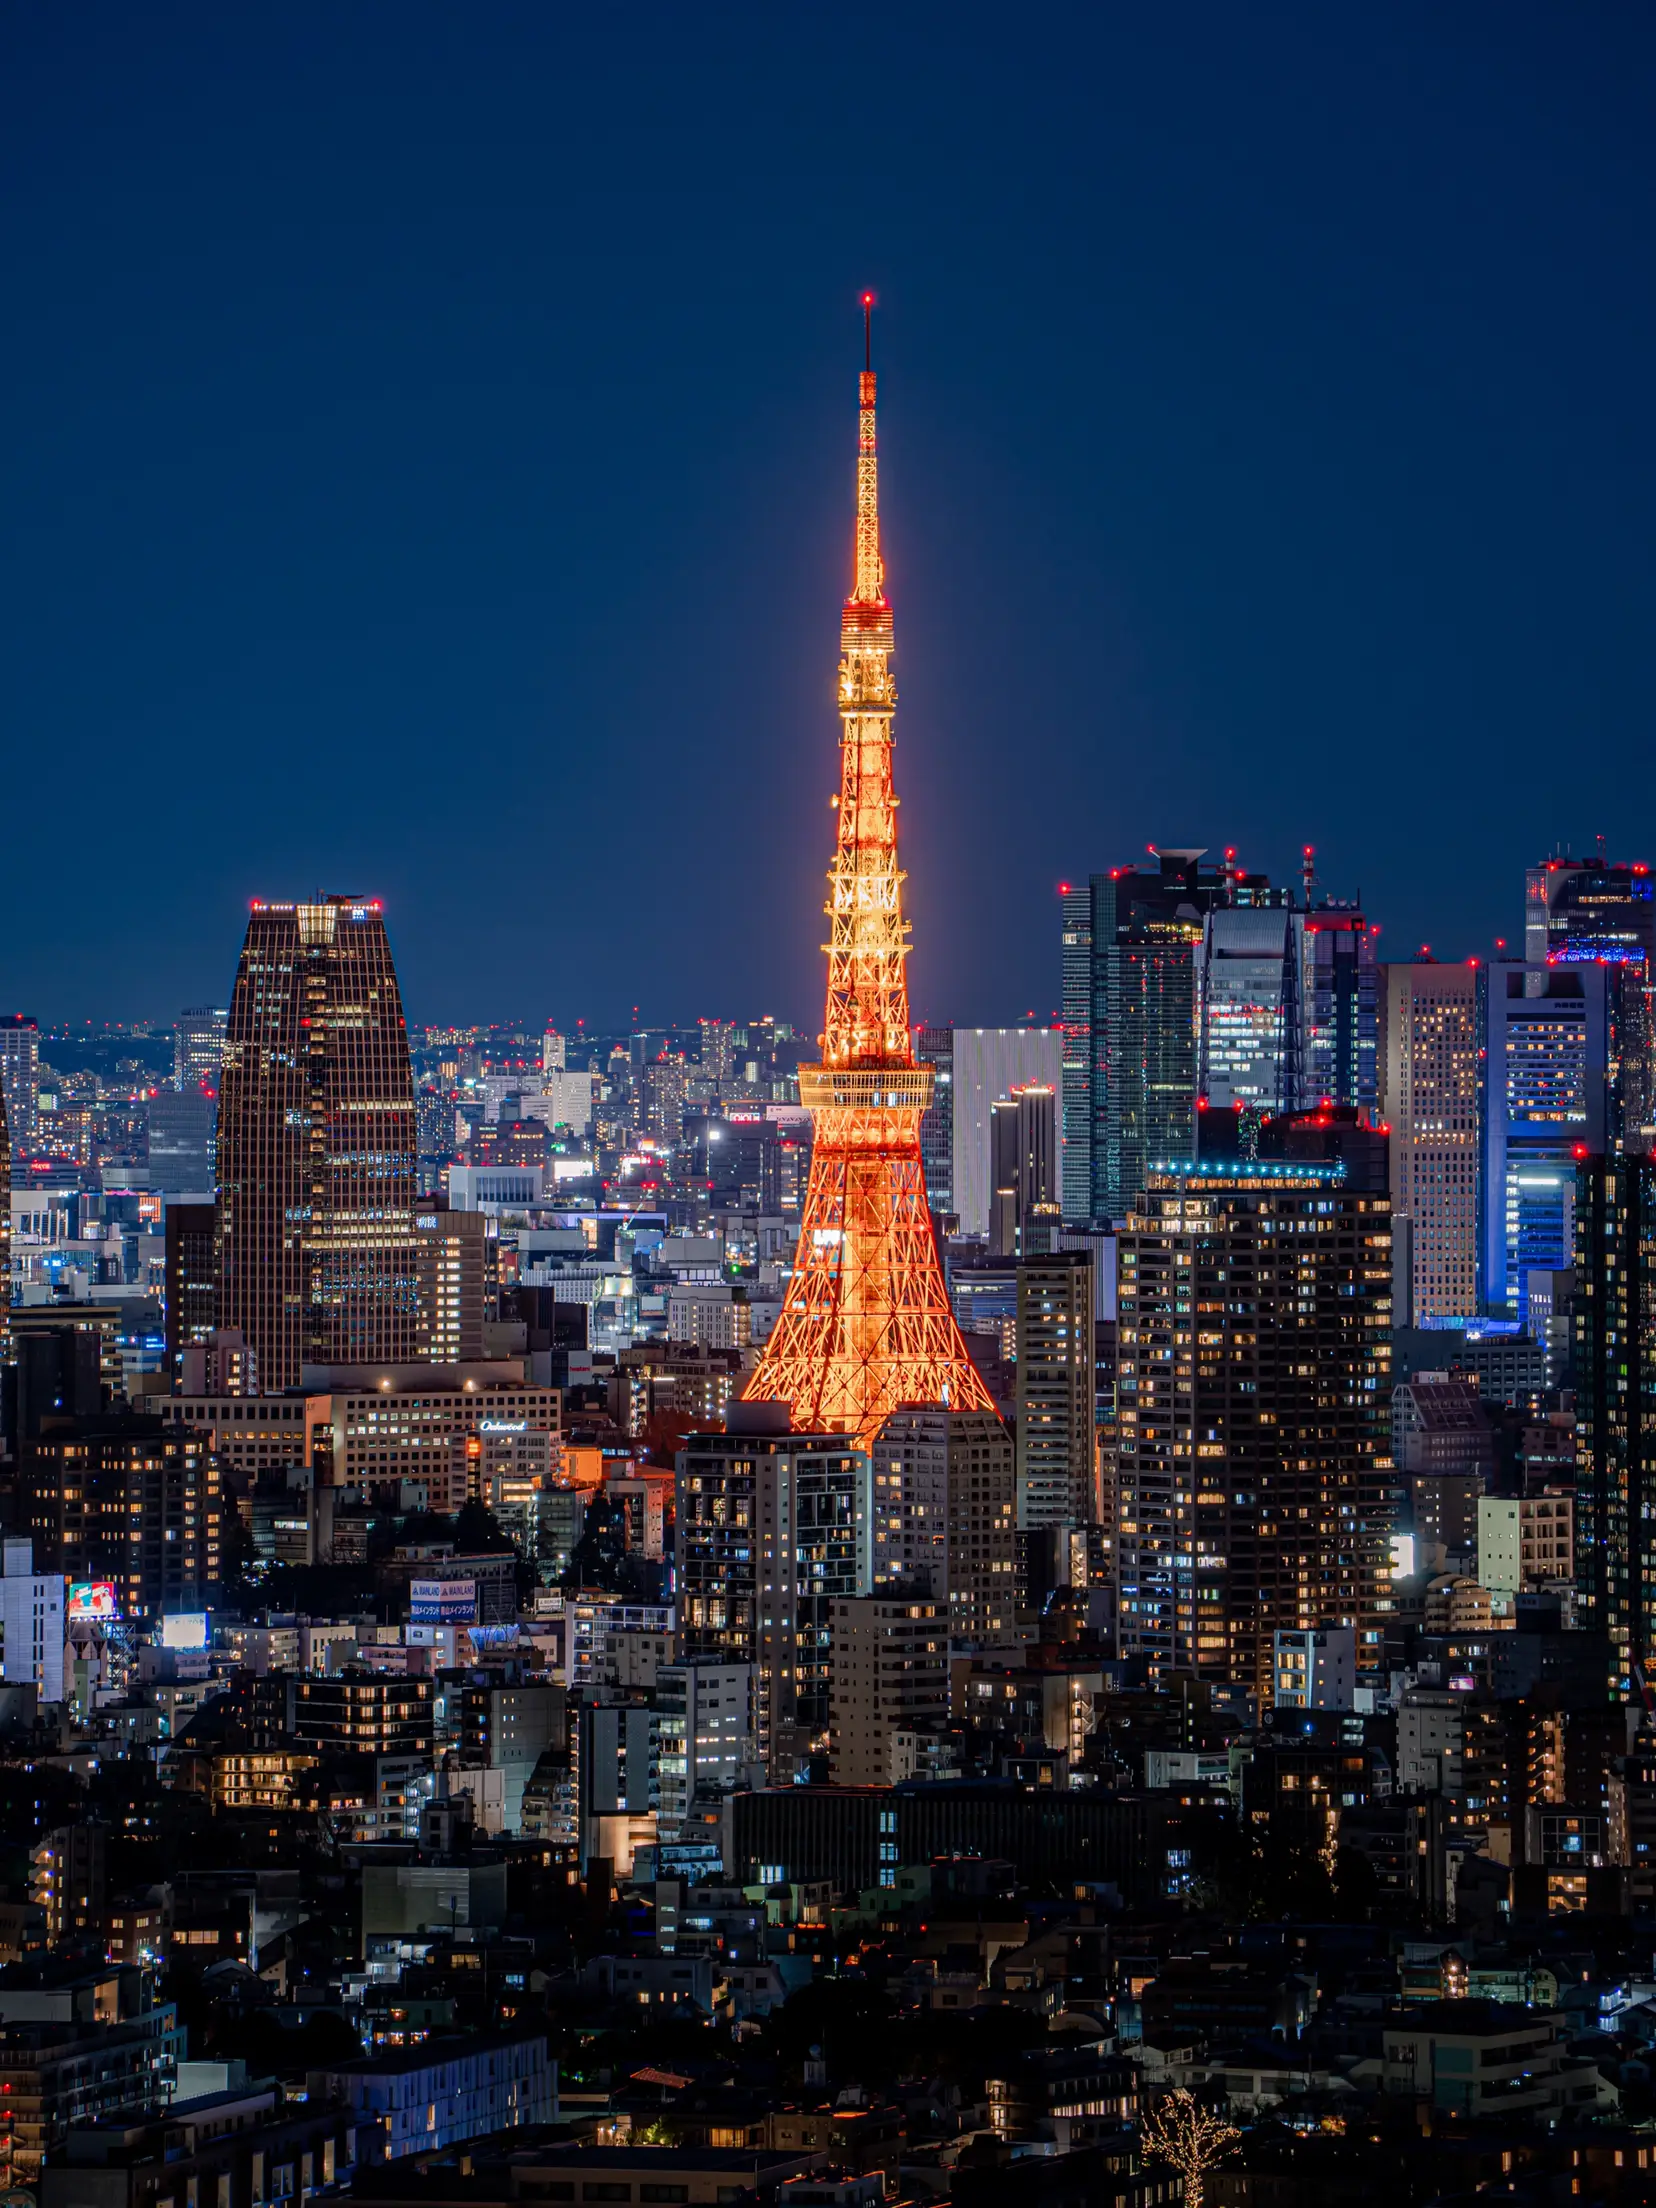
(868, 333)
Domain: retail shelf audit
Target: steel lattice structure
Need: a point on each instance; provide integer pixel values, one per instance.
(866, 1328)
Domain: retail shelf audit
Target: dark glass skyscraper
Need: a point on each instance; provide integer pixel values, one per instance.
(1075, 1114)
(1615, 1370)
(1147, 926)
(317, 1257)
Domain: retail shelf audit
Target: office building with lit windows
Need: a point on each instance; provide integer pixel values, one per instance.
(1545, 1069)
(1580, 912)
(1023, 1170)
(1146, 941)
(1253, 1460)
(1249, 1010)
(988, 1063)
(1431, 1038)
(317, 1258)
(1338, 1006)
(198, 1047)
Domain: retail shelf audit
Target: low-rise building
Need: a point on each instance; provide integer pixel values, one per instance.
(441, 2092)
(235, 2149)
(1487, 2058)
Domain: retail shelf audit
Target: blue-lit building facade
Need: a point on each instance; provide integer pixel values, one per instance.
(1546, 1060)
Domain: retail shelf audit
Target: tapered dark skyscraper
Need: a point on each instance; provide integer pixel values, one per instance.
(316, 1146)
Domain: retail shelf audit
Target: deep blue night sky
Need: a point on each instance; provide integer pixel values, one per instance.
(428, 453)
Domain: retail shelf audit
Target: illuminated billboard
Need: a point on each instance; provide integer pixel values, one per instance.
(442, 1601)
(92, 1602)
(188, 1629)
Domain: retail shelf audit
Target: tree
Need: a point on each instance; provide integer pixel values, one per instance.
(1193, 2138)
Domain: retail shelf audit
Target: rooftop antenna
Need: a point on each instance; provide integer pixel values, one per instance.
(1308, 873)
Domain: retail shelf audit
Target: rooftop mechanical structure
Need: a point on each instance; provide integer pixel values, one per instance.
(866, 1327)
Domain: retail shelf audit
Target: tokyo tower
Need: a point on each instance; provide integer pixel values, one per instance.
(866, 1328)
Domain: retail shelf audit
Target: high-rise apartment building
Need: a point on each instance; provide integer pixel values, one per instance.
(198, 1047)
(1615, 1375)
(771, 1526)
(1023, 1170)
(890, 1662)
(1056, 1439)
(1581, 912)
(1253, 1464)
(990, 1063)
(1075, 1130)
(704, 1712)
(1430, 1075)
(1545, 1068)
(20, 1079)
(945, 1517)
(317, 1252)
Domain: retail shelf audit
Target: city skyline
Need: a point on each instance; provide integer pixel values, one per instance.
(1273, 473)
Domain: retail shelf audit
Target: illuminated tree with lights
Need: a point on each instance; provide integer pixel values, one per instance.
(1191, 2137)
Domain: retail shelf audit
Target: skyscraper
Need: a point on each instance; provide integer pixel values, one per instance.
(1250, 1010)
(1339, 1014)
(198, 1047)
(1253, 1455)
(866, 1324)
(1430, 1039)
(317, 1257)
(20, 1079)
(1546, 1061)
(1615, 1373)
(181, 1126)
(1589, 912)
(1023, 1169)
(934, 1047)
(188, 1296)
(1075, 1129)
(1147, 930)
(990, 1063)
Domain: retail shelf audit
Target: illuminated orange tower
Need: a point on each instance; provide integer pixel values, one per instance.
(866, 1328)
